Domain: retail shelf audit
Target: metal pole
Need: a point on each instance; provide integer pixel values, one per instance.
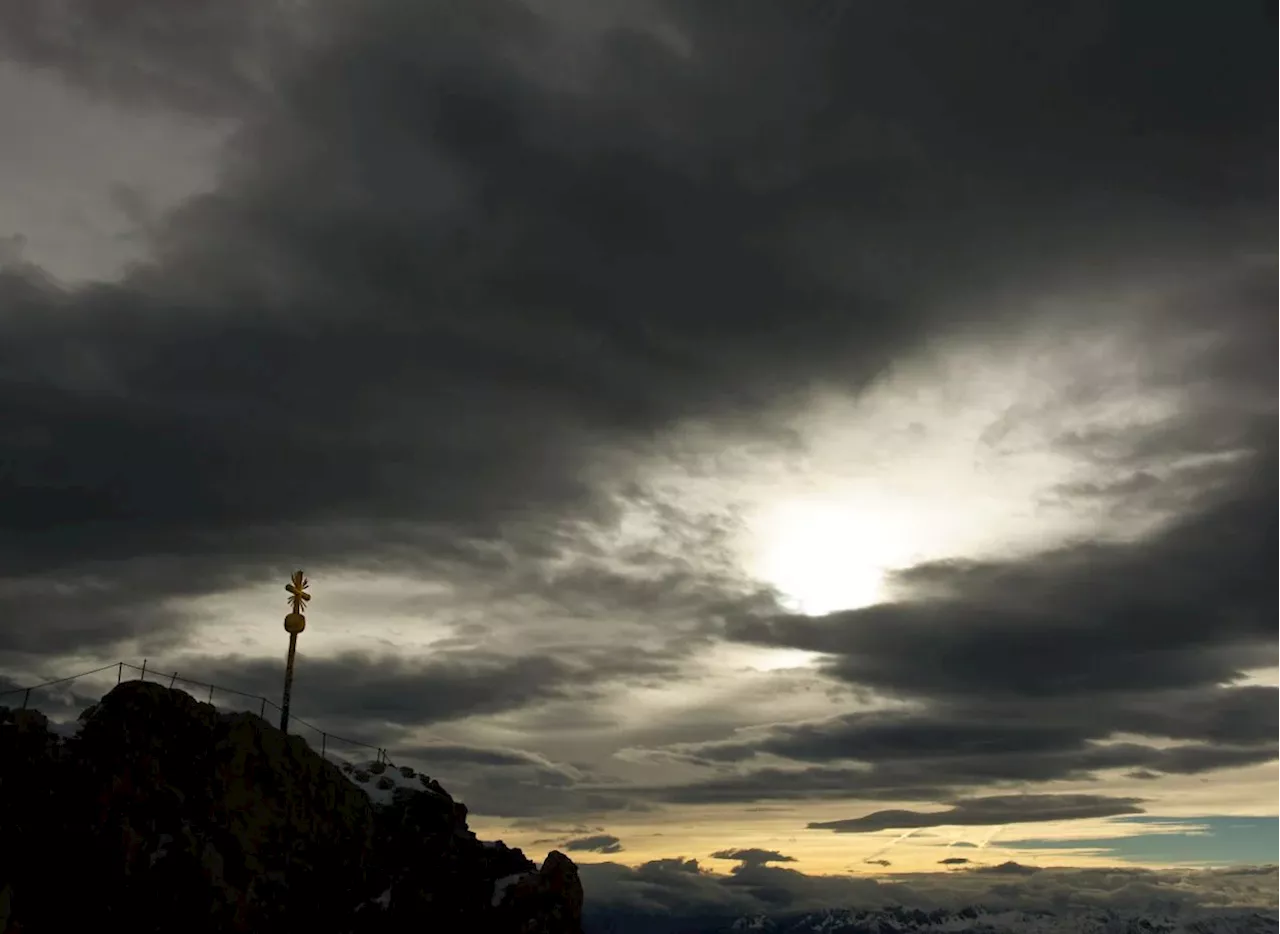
(173, 679)
(211, 693)
(119, 672)
(262, 711)
(288, 683)
(324, 741)
(26, 697)
(144, 670)
(294, 623)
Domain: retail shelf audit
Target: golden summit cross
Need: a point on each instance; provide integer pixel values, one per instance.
(297, 588)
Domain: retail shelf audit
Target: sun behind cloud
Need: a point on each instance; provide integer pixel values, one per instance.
(952, 455)
(824, 555)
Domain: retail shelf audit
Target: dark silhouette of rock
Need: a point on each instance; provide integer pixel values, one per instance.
(162, 814)
(546, 901)
(28, 750)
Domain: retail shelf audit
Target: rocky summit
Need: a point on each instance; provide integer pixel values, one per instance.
(162, 814)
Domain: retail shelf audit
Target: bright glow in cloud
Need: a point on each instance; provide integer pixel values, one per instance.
(957, 454)
(827, 555)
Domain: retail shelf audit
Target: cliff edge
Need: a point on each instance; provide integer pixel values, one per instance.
(163, 814)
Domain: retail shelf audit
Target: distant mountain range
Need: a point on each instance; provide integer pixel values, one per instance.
(972, 920)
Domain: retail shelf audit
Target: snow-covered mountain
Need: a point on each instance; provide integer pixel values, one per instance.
(972, 920)
(977, 920)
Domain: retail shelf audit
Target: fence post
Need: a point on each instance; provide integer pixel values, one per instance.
(211, 693)
(144, 670)
(26, 697)
(324, 742)
(119, 672)
(262, 711)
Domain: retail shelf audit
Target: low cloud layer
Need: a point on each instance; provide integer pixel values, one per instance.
(680, 888)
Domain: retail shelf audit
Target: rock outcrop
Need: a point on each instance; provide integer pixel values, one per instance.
(163, 814)
(545, 901)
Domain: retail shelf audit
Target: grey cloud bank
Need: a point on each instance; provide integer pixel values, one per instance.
(464, 266)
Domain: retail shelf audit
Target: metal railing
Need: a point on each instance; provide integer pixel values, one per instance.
(381, 754)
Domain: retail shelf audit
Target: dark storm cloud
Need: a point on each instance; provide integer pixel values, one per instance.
(753, 856)
(781, 784)
(356, 693)
(389, 424)
(953, 861)
(207, 58)
(597, 843)
(940, 778)
(889, 736)
(447, 281)
(990, 811)
(437, 276)
(1189, 608)
(969, 742)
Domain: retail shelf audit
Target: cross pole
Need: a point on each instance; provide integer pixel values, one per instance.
(294, 623)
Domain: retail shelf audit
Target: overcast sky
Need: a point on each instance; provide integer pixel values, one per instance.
(841, 431)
